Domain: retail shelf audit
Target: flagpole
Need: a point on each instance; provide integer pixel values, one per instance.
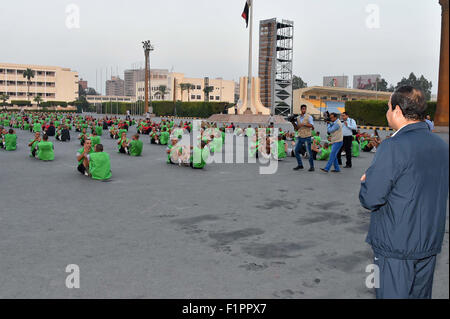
(250, 57)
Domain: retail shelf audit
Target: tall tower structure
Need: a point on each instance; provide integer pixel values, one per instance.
(276, 40)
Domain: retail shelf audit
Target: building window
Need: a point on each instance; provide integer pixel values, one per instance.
(324, 98)
(312, 97)
(333, 98)
(199, 97)
(199, 87)
(192, 97)
(217, 98)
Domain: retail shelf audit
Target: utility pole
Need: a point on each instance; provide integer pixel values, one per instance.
(147, 49)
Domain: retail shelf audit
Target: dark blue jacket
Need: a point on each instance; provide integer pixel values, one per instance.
(406, 189)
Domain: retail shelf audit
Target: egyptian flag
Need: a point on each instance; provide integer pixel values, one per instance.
(245, 14)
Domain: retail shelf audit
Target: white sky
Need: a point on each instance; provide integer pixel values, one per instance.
(208, 37)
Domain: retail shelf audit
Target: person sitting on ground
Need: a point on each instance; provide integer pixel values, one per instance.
(154, 137)
(10, 140)
(136, 146)
(356, 148)
(33, 144)
(50, 129)
(199, 156)
(322, 153)
(83, 137)
(45, 149)
(122, 144)
(164, 137)
(172, 146)
(114, 132)
(99, 164)
(82, 155)
(65, 134)
(37, 127)
(95, 139)
(281, 148)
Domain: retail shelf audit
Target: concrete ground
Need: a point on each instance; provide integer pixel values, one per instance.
(162, 231)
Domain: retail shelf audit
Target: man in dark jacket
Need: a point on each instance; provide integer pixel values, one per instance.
(406, 190)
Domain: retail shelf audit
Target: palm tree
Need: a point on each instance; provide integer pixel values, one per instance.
(208, 90)
(162, 90)
(4, 98)
(38, 100)
(29, 74)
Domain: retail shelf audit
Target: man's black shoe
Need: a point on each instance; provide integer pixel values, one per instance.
(311, 169)
(298, 168)
(346, 166)
(324, 170)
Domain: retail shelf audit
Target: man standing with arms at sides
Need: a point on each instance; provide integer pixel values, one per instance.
(406, 191)
(304, 125)
(348, 126)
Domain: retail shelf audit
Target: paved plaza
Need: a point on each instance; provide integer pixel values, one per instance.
(162, 231)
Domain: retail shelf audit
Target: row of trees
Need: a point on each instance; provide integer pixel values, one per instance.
(383, 86)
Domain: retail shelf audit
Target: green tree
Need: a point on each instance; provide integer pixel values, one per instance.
(28, 74)
(298, 83)
(4, 98)
(381, 85)
(38, 100)
(421, 83)
(208, 90)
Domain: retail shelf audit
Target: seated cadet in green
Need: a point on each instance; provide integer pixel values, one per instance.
(355, 147)
(26, 125)
(170, 147)
(37, 127)
(99, 129)
(33, 144)
(281, 148)
(164, 137)
(10, 140)
(122, 143)
(82, 155)
(136, 146)
(199, 156)
(323, 153)
(99, 164)
(95, 139)
(45, 149)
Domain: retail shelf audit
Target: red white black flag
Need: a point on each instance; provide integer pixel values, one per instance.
(246, 13)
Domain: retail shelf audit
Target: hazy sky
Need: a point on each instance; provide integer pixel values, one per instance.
(208, 37)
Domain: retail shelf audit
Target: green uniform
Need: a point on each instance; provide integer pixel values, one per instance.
(355, 149)
(99, 130)
(136, 147)
(199, 157)
(33, 146)
(324, 154)
(37, 127)
(45, 151)
(81, 150)
(10, 142)
(100, 166)
(281, 149)
(164, 138)
(95, 140)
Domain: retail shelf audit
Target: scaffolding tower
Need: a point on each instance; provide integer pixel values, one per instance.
(275, 65)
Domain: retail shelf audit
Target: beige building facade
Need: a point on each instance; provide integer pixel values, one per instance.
(223, 90)
(52, 83)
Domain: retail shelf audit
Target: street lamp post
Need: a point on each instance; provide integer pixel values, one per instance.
(147, 49)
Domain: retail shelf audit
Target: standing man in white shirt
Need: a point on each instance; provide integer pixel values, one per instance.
(348, 126)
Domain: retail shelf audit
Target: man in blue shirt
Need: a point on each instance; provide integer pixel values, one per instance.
(335, 130)
(406, 191)
(430, 123)
(348, 126)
